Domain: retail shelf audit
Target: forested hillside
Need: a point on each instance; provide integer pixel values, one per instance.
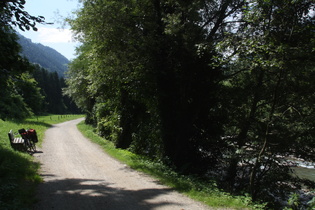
(27, 88)
(50, 86)
(45, 56)
(219, 89)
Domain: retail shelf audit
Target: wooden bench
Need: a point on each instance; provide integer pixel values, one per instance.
(17, 143)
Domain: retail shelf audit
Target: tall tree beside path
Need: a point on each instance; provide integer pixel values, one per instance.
(153, 76)
(270, 84)
(222, 88)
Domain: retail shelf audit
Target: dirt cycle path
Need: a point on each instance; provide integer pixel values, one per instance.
(79, 175)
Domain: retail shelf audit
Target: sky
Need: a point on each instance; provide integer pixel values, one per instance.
(56, 36)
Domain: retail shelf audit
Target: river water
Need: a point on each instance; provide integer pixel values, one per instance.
(306, 173)
(303, 169)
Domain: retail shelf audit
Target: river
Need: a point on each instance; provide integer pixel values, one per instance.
(303, 169)
(306, 173)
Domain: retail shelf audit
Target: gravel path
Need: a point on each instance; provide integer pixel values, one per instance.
(79, 175)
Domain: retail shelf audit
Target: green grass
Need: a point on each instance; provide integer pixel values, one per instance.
(206, 192)
(18, 171)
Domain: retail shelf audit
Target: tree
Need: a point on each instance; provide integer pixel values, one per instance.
(51, 85)
(270, 52)
(157, 57)
(30, 92)
(12, 65)
(78, 82)
(12, 13)
(209, 87)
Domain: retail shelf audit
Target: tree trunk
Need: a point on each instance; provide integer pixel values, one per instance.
(241, 138)
(253, 183)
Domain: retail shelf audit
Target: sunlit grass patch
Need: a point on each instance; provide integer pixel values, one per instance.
(201, 190)
(18, 170)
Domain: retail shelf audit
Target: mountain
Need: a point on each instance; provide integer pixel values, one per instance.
(45, 56)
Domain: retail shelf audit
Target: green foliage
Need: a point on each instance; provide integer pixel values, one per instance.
(268, 114)
(205, 191)
(20, 93)
(12, 65)
(13, 106)
(293, 201)
(150, 71)
(311, 203)
(222, 88)
(51, 86)
(78, 83)
(12, 12)
(108, 121)
(30, 92)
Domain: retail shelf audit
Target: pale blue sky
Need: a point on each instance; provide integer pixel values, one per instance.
(56, 35)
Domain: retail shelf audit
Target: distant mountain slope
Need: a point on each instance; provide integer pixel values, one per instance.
(45, 56)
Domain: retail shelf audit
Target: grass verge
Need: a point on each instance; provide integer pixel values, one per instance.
(18, 171)
(206, 192)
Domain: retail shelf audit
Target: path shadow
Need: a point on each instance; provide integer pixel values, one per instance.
(34, 122)
(96, 194)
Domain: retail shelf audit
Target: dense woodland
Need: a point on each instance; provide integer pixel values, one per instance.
(51, 85)
(220, 89)
(26, 88)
